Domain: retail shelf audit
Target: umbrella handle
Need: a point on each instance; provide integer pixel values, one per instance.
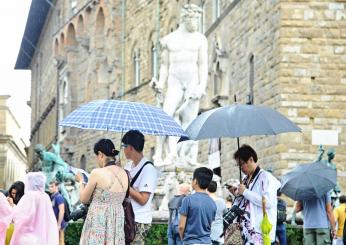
(240, 178)
(263, 205)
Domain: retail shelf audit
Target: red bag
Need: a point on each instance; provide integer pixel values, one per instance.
(129, 225)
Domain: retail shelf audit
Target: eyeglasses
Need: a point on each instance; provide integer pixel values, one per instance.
(124, 145)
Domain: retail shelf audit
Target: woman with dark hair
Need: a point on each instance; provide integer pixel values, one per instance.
(15, 193)
(106, 189)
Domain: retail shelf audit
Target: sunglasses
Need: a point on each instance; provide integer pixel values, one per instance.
(124, 145)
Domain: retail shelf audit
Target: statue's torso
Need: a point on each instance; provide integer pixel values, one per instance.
(183, 54)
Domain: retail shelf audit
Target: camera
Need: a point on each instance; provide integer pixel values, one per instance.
(80, 212)
(231, 214)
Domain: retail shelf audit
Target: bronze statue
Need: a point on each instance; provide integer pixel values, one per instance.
(54, 167)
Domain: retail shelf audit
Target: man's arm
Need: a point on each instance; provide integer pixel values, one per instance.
(182, 224)
(330, 215)
(140, 197)
(146, 186)
(61, 214)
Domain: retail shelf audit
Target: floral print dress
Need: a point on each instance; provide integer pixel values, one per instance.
(104, 223)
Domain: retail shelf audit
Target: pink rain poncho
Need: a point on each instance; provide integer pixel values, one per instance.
(5, 217)
(34, 219)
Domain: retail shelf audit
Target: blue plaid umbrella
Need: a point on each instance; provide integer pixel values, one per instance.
(121, 116)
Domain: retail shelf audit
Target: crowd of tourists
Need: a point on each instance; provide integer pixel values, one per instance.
(119, 201)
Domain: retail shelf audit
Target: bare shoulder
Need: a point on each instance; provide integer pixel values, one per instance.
(95, 172)
(122, 172)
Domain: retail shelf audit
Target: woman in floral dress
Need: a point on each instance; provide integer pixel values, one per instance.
(105, 191)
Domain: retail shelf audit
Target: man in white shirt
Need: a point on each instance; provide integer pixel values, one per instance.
(143, 188)
(257, 183)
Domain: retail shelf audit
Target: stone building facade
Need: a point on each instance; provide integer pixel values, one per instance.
(13, 159)
(289, 55)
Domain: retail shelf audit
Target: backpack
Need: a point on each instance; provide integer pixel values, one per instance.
(281, 211)
(130, 224)
(67, 213)
(174, 216)
(129, 216)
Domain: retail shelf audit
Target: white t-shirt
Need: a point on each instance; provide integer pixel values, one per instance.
(146, 182)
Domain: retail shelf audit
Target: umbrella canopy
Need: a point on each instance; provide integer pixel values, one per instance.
(120, 116)
(308, 181)
(239, 120)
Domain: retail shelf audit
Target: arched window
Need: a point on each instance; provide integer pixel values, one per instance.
(100, 22)
(80, 26)
(250, 97)
(217, 79)
(154, 70)
(73, 6)
(99, 31)
(71, 36)
(216, 9)
(202, 18)
(56, 47)
(83, 162)
(137, 68)
(62, 43)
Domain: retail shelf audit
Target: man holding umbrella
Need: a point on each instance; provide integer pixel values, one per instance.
(256, 184)
(319, 220)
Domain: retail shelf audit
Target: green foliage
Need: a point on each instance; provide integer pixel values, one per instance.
(73, 232)
(157, 234)
(294, 234)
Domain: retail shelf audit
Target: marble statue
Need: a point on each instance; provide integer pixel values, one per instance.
(184, 70)
(54, 167)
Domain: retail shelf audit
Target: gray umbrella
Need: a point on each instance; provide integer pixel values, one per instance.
(308, 181)
(239, 120)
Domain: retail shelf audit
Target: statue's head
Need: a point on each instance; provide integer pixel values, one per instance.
(39, 148)
(190, 15)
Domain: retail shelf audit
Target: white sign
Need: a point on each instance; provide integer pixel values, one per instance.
(324, 137)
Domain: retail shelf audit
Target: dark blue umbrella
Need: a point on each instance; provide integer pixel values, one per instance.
(308, 181)
(121, 116)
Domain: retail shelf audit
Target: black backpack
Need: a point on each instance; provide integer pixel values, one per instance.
(67, 214)
(281, 211)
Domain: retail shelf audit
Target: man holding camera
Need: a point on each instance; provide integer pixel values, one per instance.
(248, 196)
